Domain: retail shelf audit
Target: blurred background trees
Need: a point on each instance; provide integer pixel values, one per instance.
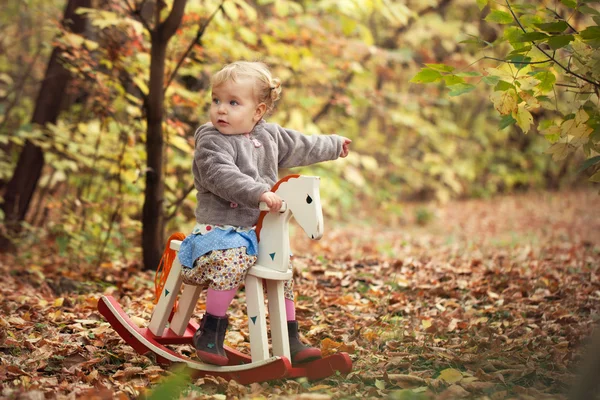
(116, 159)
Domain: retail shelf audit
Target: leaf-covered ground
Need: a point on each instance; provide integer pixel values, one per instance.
(489, 299)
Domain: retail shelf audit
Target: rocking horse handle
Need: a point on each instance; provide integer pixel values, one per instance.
(264, 207)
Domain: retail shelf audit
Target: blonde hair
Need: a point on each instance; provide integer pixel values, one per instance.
(266, 88)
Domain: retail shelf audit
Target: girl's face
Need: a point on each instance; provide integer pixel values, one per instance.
(234, 109)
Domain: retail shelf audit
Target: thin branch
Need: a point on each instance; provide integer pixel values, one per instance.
(138, 11)
(565, 68)
(515, 62)
(557, 15)
(177, 203)
(196, 40)
(566, 85)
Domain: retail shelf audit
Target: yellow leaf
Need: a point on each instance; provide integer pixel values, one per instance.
(503, 73)
(402, 282)
(450, 375)
(559, 151)
(329, 347)
(59, 302)
(553, 130)
(528, 82)
(523, 117)
(504, 101)
(140, 322)
(426, 323)
(371, 336)
(595, 177)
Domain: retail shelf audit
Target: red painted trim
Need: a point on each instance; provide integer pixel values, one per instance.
(278, 369)
(263, 214)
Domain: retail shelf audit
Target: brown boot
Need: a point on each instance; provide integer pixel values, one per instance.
(208, 339)
(300, 352)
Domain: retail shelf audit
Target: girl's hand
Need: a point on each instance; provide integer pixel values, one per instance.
(345, 147)
(272, 200)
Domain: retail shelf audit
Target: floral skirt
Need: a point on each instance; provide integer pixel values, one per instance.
(225, 270)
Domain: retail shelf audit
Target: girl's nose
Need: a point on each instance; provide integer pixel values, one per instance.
(221, 109)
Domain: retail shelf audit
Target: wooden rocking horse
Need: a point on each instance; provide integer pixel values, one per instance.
(301, 198)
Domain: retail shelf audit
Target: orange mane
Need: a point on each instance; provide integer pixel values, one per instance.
(264, 213)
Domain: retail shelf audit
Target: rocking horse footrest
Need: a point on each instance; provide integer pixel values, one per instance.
(268, 273)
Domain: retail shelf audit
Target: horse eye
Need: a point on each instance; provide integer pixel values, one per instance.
(308, 199)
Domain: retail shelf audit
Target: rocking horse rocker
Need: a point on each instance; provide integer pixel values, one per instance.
(301, 198)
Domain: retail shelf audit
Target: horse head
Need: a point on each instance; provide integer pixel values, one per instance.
(301, 194)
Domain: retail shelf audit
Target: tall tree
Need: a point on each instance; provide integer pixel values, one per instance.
(49, 103)
(153, 213)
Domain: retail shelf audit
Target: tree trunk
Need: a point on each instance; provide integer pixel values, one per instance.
(153, 212)
(26, 175)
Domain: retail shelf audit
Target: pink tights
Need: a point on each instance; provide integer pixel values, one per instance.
(218, 301)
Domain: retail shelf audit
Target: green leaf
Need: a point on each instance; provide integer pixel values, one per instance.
(348, 25)
(503, 85)
(426, 75)
(519, 60)
(441, 67)
(588, 163)
(453, 80)
(557, 42)
(553, 27)
(547, 80)
(491, 79)
(469, 73)
(588, 10)
(500, 17)
(569, 3)
(450, 375)
(379, 384)
(481, 4)
(171, 387)
(591, 36)
(506, 120)
(460, 88)
(532, 36)
(521, 50)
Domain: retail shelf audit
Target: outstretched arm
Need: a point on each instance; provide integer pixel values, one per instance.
(296, 149)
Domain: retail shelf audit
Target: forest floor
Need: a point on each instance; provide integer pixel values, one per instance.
(485, 299)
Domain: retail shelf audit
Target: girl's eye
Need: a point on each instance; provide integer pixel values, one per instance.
(233, 103)
(216, 101)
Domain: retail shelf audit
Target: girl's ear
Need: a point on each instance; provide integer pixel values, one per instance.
(261, 109)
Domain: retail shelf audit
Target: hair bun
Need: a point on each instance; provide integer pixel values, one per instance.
(275, 89)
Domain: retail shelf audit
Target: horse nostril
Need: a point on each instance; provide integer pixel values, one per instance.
(308, 199)
(312, 236)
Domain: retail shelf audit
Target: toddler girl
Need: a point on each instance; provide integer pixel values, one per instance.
(236, 159)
